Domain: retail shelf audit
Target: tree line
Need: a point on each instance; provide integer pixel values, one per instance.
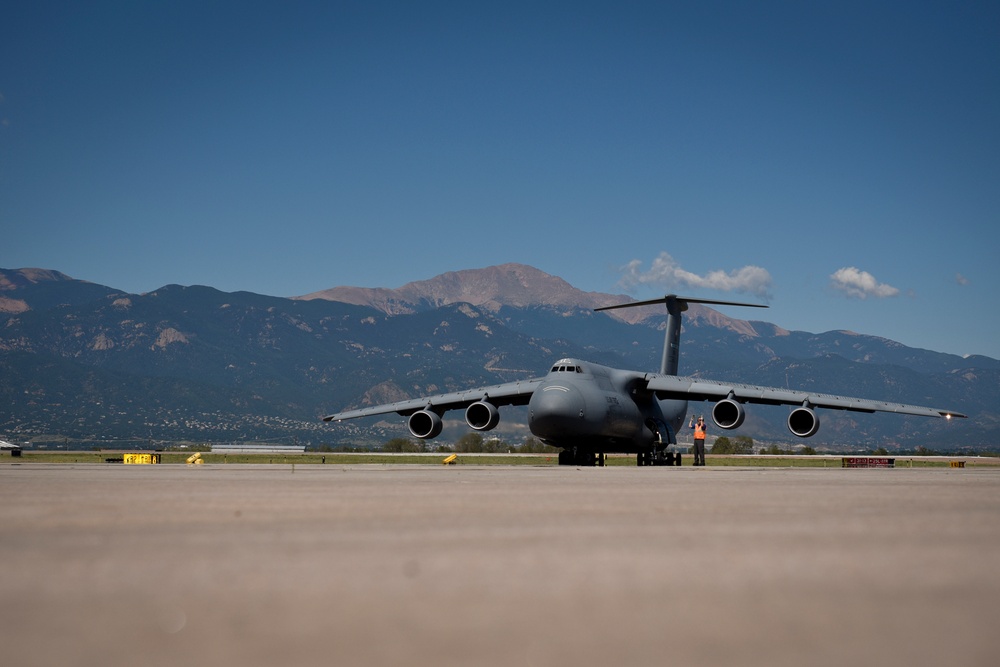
(744, 445)
(476, 443)
(468, 444)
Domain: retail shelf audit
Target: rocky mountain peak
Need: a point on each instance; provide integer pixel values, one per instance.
(514, 285)
(12, 279)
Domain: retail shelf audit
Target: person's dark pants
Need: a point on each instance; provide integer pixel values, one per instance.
(699, 452)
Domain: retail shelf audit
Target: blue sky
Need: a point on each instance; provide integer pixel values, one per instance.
(838, 160)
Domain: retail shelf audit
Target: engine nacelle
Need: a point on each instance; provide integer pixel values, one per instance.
(728, 414)
(803, 422)
(425, 424)
(482, 416)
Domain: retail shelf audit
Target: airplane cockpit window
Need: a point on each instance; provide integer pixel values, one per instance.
(566, 369)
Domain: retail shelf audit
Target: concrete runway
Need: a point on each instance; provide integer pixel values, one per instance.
(432, 565)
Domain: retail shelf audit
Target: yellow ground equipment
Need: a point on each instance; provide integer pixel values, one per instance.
(140, 458)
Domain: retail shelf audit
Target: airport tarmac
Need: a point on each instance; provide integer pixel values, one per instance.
(232, 565)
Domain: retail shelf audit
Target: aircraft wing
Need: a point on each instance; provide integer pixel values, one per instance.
(697, 389)
(509, 393)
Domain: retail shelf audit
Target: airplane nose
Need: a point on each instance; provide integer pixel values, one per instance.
(555, 410)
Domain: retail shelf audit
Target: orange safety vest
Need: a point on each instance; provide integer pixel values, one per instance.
(699, 431)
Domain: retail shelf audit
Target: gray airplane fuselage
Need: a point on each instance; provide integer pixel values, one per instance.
(582, 404)
(588, 410)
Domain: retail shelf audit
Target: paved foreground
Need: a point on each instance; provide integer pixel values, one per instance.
(426, 565)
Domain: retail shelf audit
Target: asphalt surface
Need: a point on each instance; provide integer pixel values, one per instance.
(432, 565)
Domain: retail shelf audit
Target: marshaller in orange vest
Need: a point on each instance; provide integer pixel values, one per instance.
(699, 440)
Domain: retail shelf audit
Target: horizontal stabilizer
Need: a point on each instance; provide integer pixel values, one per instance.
(682, 301)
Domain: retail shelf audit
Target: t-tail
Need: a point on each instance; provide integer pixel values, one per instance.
(676, 305)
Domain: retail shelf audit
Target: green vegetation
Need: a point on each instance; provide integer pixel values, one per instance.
(475, 443)
(774, 450)
(774, 462)
(738, 445)
(350, 458)
(399, 445)
(470, 443)
(472, 449)
(431, 458)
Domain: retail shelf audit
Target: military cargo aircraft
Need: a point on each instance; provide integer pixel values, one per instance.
(588, 410)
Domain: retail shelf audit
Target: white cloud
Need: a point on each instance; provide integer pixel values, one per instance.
(667, 274)
(960, 279)
(860, 284)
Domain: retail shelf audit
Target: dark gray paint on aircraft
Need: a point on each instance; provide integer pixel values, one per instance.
(589, 410)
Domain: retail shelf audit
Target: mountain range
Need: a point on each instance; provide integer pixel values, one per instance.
(87, 362)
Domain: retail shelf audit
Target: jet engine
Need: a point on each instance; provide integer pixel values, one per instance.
(425, 424)
(803, 422)
(482, 416)
(728, 414)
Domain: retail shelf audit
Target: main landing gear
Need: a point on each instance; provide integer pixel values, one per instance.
(658, 458)
(578, 456)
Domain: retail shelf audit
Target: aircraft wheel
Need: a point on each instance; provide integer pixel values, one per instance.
(666, 459)
(566, 457)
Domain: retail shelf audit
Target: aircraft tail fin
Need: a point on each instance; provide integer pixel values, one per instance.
(672, 339)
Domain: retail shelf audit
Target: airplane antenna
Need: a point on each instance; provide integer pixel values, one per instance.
(672, 338)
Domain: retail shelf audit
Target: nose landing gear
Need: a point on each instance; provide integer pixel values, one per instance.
(663, 437)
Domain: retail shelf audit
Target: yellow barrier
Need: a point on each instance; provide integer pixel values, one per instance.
(140, 458)
(450, 460)
(195, 459)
